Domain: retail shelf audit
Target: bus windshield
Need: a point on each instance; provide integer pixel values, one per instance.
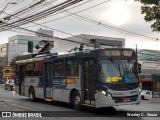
(115, 71)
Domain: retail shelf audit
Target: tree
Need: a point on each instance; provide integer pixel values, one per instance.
(151, 10)
(17, 58)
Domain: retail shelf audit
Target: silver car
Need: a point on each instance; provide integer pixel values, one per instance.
(146, 94)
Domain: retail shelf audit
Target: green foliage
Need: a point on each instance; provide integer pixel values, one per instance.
(151, 10)
(150, 1)
(17, 58)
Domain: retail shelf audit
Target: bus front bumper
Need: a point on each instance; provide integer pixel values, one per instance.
(104, 101)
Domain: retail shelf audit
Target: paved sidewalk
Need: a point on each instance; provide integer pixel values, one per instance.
(6, 106)
(154, 100)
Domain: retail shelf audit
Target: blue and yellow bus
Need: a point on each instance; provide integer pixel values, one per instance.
(99, 78)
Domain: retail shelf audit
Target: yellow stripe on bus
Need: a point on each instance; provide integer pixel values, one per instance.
(48, 99)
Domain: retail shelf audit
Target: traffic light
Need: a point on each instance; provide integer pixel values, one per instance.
(30, 46)
(139, 67)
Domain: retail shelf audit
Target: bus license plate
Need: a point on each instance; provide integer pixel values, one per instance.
(126, 99)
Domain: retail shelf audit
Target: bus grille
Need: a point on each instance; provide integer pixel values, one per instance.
(121, 99)
(123, 86)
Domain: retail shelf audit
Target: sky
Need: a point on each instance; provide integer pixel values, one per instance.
(121, 14)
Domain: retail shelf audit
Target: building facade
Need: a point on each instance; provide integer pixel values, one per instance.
(89, 41)
(150, 76)
(18, 45)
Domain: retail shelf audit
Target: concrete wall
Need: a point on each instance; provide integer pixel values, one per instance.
(110, 41)
(3, 53)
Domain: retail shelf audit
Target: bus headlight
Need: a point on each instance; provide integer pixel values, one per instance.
(104, 92)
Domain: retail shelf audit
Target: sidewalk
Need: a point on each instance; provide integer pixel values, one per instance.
(154, 100)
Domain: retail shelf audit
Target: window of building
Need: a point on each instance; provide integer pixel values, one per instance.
(4, 49)
(22, 41)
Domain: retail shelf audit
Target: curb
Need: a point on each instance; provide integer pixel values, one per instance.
(154, 100)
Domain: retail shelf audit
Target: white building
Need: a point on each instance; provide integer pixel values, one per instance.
(90, 42)
(18, 45)
(150, 76)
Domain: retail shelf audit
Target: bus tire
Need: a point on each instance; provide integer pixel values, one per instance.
(32, 94)
(76, 101)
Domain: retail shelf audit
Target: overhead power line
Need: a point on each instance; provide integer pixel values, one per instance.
(41, 1)
(40, 15)
(3, 4)
(17, 2)
(14, 26)
(111, 27)
(74, 12)
(100, 23)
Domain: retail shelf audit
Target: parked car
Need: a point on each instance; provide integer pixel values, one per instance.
(146, 94)
(9, 85)
(157, 94)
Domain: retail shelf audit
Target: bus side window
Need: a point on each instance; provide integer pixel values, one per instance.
(58, 67)
(72, 67)
(38, 68)
(30, 68)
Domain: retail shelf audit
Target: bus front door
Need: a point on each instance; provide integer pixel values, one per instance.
(88, 81)
(48, 81)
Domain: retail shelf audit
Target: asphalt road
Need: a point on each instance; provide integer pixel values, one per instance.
(10, 101)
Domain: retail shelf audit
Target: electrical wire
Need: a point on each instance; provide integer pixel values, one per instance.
(72, 13)
(104, 25)
(16, 3)
(52, 29)
(49, 36)
(41, 14)
(100, 23)
(5, 3)
(111, 27)
(64, 10)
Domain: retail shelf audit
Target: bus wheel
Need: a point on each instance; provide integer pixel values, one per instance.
(76, 101)
(32, 94)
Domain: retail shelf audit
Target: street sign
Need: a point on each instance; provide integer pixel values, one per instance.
(7, 71)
